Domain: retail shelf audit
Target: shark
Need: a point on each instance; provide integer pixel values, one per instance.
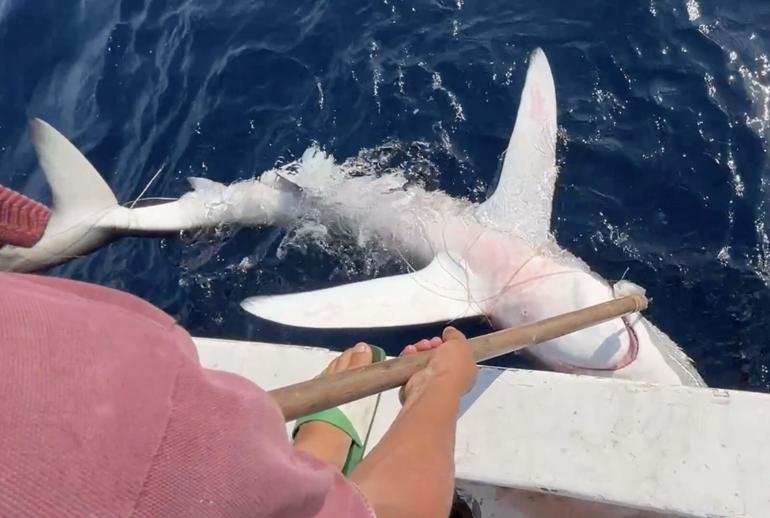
(497, 259)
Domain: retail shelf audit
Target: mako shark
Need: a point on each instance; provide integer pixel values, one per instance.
(496, 259)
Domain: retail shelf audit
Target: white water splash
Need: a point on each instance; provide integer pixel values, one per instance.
(370, 200)
(711, 88)
(615, 235)
(401, 81)
(320, 89)
(438, 85)
(693, 10)
(376, 73)
(757, 81)
(738, 186)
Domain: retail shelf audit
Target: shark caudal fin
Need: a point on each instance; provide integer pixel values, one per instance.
(81, 202)
(523, 197)
(434, 294)
(77, 188)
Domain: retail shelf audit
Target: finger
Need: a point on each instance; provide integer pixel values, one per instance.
(450, 333)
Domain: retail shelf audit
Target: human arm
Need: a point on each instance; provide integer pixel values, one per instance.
(411, 471)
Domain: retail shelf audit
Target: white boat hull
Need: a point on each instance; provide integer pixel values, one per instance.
(533, 443)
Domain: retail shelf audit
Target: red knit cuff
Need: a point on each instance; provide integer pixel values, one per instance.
(22, 220)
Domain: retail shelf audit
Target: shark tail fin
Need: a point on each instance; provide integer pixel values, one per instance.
(77, 188)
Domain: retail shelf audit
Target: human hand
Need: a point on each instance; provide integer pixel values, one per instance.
(451, 369)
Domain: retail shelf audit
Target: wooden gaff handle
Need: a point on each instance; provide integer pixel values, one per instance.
(337, 389)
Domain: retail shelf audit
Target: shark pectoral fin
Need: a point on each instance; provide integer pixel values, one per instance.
(436, 293)
(523, 197)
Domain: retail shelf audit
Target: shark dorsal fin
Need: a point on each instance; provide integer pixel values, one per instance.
(522, 199)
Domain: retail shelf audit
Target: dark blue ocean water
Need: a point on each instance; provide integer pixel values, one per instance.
(664, 112)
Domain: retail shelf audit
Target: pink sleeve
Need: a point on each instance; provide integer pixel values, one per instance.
(106, 411)
(226, 447)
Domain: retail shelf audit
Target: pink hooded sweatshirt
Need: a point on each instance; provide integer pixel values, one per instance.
(106, 411)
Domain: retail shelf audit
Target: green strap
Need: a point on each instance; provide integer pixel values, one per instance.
(335, 417)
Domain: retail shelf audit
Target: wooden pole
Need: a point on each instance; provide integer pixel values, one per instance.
(340, 388)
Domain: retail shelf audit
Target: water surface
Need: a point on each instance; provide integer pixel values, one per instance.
(664, 108)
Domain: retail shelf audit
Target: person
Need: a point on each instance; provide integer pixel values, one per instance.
(106, 411)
